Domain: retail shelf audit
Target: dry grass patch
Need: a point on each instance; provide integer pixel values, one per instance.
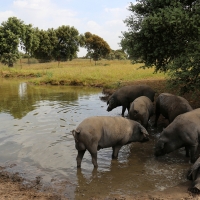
(81, 72)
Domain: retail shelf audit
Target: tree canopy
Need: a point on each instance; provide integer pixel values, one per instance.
(47, 42)
(59, 44)
(96, 46)
(12, 33)
(118, 54)
(166, 34)
(46, 45)
(68, 42)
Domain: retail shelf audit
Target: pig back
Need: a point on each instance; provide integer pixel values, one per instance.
(131, 92)
(186, 124)
(106, 130)
(142, 104)
(171, 105)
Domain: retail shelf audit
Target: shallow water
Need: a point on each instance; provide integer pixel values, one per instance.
(36, 141)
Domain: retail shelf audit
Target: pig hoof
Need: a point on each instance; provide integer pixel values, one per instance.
(114, 157)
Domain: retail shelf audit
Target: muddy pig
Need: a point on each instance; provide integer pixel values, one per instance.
(184, 131)
(141, 110)
(170, 106)
(95, 133)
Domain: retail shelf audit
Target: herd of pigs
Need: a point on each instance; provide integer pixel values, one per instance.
(97, 132)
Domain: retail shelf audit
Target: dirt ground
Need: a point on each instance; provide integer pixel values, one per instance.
(12, 187)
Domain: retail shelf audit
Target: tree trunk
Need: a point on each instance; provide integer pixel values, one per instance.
(10, 64)
(21, 62)
(58, 62)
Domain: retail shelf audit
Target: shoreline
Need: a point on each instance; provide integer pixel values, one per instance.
(12, 187)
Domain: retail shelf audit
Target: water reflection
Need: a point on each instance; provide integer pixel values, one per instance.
(22, 90)
(35, 136)
(19, 99)
(136, 171)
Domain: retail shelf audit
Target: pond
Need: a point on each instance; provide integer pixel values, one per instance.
(36, 141)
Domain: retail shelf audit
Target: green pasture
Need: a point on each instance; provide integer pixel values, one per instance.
(107, 74)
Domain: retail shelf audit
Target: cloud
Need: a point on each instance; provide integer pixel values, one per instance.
(5, 15)
(106, 23)
(44, 14)
(93, 27)
(117, 13)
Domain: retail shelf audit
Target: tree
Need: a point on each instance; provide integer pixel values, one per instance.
(12, 32)
(120, 54)
(166, 34)
(117, 54)
(111, 55)
(30, 42)
(96, 46)
(47, 42)
(58, 44)
(68, 42)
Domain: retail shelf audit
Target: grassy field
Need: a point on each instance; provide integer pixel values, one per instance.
(106, 74)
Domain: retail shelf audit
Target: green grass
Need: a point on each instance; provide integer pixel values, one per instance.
(109, 74)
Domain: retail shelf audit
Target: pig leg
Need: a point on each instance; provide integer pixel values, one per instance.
(193, 150)
(124, 107)
(128, 107)
(157, 115)
(79, 158)
(144, 123)
(187, 152)
(123, 110)
(115, 151)
(94, 159)
(93, 152)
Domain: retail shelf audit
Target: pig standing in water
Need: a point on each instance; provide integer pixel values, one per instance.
(95, 133)
(125, 95)
(141, 110)
(184, 131)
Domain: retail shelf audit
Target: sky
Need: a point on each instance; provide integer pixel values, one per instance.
(101, 17)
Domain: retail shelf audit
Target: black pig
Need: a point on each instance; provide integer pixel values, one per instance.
(125, 95)
(184, 131)
(170, 106)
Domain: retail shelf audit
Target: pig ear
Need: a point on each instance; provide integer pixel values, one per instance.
(111, 101)
(75, 131)
(108, 101)
(135, 111)
(144, 131)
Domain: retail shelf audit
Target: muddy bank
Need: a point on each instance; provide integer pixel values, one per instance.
(12, 186)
